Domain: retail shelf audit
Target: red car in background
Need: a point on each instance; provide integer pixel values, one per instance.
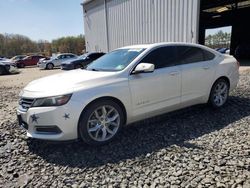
(28, 61)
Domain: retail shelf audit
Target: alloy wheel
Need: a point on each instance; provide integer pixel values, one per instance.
(220, 93)
(103, 123)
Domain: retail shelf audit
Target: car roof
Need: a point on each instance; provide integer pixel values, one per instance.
(162, 44)
(150, 46)
(89, 53)
(66, 54)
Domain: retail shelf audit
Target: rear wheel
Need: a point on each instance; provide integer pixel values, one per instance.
(100, 122)
(2, 71)
(219, 93)
(49, 66)
(21, 65)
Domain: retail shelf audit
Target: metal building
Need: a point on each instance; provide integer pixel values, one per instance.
(110, 24)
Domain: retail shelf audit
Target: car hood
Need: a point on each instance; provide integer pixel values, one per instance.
(7, 62)
(66, 82)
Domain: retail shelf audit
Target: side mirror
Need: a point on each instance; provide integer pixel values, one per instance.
(144, 68)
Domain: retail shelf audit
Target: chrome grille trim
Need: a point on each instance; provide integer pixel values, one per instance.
(26, 103)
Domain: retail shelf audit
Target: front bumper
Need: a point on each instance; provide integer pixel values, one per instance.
(51, 123)
(42, 65)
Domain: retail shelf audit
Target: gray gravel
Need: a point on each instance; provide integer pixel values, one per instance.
(194, 147)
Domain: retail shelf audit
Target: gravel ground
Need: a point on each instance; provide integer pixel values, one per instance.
(194, 147)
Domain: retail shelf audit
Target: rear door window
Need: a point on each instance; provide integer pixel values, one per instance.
(208, 55)
(187, 54)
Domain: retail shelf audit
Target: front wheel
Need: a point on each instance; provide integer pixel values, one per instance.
(100, 122)
(219, 93)
(50, 66)
(21, 65)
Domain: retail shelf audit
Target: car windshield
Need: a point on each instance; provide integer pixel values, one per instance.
(116, 60)
(27, 57)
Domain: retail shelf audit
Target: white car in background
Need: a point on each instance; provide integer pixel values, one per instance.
(56, 61)
(124, 86)
(4, 59)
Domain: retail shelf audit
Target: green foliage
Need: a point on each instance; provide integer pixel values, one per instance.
(11, 45)
(69, 45)
(218, 40)
(14, 44)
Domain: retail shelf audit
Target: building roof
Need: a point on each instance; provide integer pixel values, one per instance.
(86, 2)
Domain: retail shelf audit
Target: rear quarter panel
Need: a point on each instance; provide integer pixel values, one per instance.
(227, 66)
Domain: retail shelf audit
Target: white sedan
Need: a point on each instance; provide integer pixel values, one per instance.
(124, 86)
(50, 63)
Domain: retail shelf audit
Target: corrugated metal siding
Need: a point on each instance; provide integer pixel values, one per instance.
(94, 26)
(142, 21)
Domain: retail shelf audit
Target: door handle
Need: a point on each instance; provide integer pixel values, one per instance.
(174, 73)
(206, 67)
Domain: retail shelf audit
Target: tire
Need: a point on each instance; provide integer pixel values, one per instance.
(21, 65)
(219, 93)
(2, 71)
(101, 130)
(49, 66)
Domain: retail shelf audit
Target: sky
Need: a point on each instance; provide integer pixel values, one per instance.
(41, 19)
(227, 29)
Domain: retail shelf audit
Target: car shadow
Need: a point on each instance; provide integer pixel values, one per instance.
(148, 136)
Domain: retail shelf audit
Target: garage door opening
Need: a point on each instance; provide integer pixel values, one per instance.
(219, 39)
(216, 14)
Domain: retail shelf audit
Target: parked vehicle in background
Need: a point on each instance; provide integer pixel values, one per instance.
(242, 51)
(7, 67)
(81, 61)
(124, 86)
(223, 50)
(18, 57)
(43, 60)
(56, 61)
(4, 59)
(29, 61)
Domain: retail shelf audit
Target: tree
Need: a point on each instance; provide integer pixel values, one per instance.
(218, 40)
(14, 44)
(69, 44)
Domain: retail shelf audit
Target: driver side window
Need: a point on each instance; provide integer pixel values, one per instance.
(161, 57)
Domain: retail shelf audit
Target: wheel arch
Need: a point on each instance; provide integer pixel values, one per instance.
(50, 63)
(114, 99)
(223, 77)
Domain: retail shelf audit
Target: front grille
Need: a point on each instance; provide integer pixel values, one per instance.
(26, 103)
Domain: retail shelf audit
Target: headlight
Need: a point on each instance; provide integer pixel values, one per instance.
(52, 101)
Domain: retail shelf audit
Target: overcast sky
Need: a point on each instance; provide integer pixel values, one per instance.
(41, 19)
